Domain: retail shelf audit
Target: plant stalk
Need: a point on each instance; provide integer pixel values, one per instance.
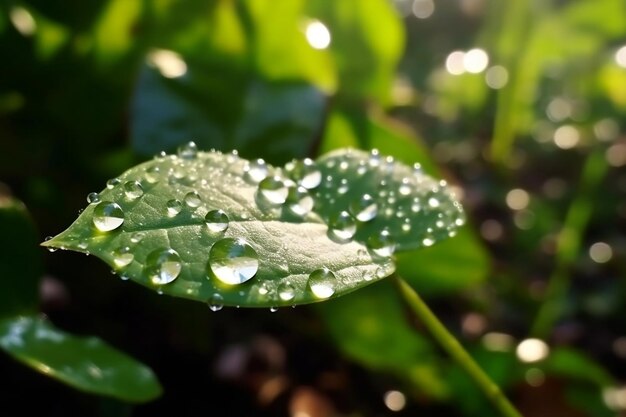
(452, 346)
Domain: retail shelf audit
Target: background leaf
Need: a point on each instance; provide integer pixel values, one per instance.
(87, 364)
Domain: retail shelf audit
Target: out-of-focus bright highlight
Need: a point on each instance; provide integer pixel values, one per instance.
(318, 35)
(169, 63)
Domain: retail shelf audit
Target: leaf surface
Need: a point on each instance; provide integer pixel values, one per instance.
(86, 363)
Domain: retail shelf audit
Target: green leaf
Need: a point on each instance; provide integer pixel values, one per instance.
(220, 229)
(373, 330)
(20, 260)
(88, 364)
(232, 110)
(386, 198)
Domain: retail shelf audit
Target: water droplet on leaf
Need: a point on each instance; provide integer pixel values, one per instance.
(381, 245)
(233, 261)
(188, 151)
(93, 198)
(133, 190)
(152, 174)
(216, 221)
(216, 302)
(256, 171)
(299, 201)
(173, 207)
(322, 283)
(192, 199)
(342, 227)
(107, 216)
(163, 266)
(273, 190)
(122, 256)
(364, 209)
(286, 292)
(112, 183)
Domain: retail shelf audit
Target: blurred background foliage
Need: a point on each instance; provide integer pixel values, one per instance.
(520, 104)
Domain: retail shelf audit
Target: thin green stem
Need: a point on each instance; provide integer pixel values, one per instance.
(452, 346)
(569, 243)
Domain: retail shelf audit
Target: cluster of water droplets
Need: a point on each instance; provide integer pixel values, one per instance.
(387, 212)
(401, 207)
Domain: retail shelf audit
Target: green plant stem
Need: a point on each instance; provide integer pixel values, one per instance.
(569, 243)
(452, 346)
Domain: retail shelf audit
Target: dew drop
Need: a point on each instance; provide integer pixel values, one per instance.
(216, 221)
(137, 237)
(233, 261)
(256, 171)
(299, 201)
(433, 202)
(311, 177)
(188, 151)
(273, 190)
(322, 283)
(216, 302)
(173, 207)
(381, 245)
(374, 160)
(50, 249)
(364, 209)
(273, 309)
(93, 198)
(133, 190)
(192, 199)
(264, 289)
(342, 227)
(286, 292)
(428, 241)
(163, 266)
(122, 256)
(107, 216)
(112, 183)
(152, 174)
(405, 187)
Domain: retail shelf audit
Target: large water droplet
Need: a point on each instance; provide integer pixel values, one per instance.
(107, 216)
(93, 198)
(152, 174)
(163, 266)
(364, 209)
(256, 171)
(173, 207)
(122, 256)
(299, 201)
(342, 227)
(192, 199)
(188, 151)
(216, 221)
(322, 283)
(381, 244)
(273, 190)
(310, 176)
(286, 292)
(133, 190)
(216, 302)
(233, 261)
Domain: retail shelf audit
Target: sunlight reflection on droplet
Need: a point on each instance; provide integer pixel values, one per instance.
(454, 63)
(517, 199)
(475, 61)
(620, 56)
(600, 252)
(423, 9)
(497, 77)
(318, 35)
(566, 137)
(169, 63)
(532, 350)
(23, 21)
(395, 400)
